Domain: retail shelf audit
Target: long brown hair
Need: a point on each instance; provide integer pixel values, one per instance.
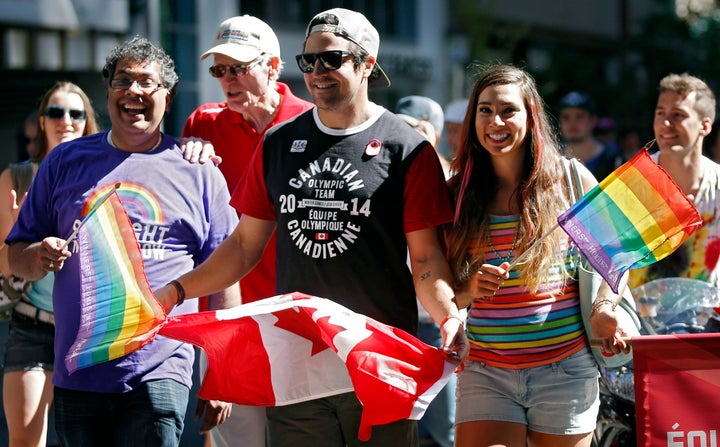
(476, 183)
(91, 125)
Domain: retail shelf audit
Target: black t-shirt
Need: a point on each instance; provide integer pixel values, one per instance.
(339, 201)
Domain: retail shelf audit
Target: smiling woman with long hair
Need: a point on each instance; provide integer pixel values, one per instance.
(530, 378)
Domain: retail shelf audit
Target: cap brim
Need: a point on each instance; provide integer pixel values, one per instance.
(241, 53)
(381, 80)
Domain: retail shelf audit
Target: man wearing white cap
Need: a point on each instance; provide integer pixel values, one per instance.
(381, 192)
(246, 62)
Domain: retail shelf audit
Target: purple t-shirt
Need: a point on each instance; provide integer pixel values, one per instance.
(180, 213)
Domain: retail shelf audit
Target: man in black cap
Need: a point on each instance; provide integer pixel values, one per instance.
(578, 118)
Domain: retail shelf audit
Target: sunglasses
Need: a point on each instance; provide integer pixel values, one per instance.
(330, 60)
(218, 71)
(57, 112)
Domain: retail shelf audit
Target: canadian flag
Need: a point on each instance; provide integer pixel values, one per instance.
(292, 348)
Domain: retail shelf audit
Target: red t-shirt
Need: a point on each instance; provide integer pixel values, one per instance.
(235, 141)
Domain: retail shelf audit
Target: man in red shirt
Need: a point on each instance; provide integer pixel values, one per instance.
(247, 64)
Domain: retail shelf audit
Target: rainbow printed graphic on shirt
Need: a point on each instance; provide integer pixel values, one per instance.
(133, 196)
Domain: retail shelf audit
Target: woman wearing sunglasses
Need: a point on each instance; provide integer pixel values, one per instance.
(65, 114)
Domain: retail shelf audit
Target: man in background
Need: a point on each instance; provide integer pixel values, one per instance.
(578, 118)
(684, 114)
(426, 116)
(247, 64)
(454, 117)
(437, 426)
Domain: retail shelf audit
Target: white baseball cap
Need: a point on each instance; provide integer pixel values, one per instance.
(354, 27)
(244, 38)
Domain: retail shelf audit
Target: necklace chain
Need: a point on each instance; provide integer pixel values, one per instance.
(510, 252)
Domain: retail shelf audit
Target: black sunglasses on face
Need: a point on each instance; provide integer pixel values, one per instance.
(330, 60)
(57, 112)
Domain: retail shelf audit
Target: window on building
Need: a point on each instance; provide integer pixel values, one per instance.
(16, 48)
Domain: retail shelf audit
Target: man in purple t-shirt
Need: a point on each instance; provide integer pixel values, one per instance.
(140, 398)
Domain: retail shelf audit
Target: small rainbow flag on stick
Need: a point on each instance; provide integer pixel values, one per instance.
(636, 216)
(119, 313)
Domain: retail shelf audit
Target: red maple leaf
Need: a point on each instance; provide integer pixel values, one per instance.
(299, 321)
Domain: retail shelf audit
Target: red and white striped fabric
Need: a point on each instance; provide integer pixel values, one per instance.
(293, 348)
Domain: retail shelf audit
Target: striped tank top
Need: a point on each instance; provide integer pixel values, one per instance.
(515, 328)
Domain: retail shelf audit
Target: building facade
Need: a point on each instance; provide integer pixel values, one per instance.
(426, 45)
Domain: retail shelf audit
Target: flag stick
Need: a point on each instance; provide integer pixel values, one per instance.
(97, 205)
(524, 255)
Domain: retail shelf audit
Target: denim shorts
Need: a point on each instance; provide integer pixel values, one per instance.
(560, 399)
(29, 345)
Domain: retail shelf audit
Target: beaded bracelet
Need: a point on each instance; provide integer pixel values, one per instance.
(180, 291)
(599, 303)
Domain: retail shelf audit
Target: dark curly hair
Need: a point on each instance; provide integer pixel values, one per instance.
(141, 49)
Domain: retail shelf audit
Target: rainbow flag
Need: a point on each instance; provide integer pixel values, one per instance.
(636, 216)
(119, 313)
